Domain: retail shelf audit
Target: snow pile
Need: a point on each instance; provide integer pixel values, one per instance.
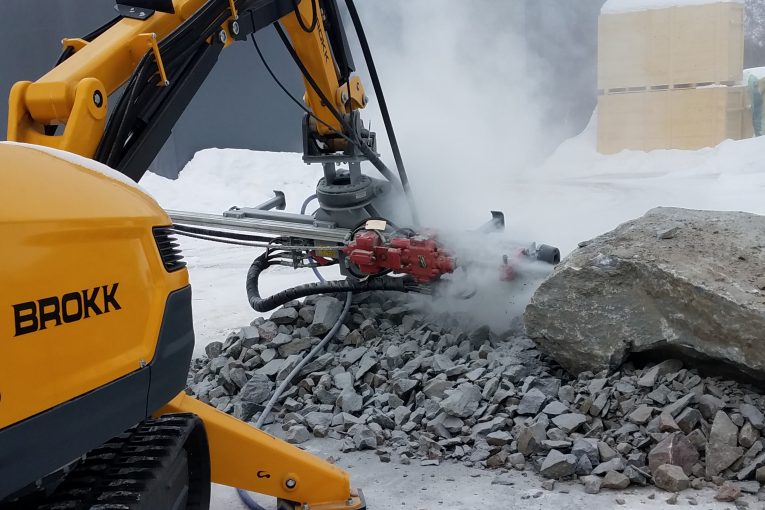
(621, 6)
(578, 194)
(757, 72)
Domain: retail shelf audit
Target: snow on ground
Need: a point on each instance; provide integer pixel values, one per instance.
(619, 6)
(455, 487)
(575, 195)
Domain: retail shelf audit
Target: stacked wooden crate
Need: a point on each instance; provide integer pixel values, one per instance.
(670, 78)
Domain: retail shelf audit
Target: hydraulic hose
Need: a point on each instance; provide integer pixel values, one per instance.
(243, 495)
(314, 265)
(261, 304)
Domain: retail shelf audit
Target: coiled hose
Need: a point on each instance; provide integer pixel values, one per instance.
(261, 304)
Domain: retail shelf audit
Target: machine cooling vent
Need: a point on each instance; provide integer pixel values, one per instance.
(169, 249)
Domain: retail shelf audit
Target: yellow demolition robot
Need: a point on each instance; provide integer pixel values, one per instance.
(95, 305)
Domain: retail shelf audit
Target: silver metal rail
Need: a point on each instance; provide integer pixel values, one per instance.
(260, 226)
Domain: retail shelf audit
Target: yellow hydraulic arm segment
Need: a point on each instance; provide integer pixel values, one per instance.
(242, 456)
(74, 95)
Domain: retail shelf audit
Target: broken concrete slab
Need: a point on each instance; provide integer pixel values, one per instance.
(628, 292)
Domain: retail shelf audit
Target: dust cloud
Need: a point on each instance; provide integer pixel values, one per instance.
(468, 99)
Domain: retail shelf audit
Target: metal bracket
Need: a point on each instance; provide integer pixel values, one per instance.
(150, 39)
(232, 7)
(278, 202)
(129, 11)
(495, 224)
(143, 9)
(357, 98)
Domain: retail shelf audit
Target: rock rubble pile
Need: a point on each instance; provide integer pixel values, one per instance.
(415, 386)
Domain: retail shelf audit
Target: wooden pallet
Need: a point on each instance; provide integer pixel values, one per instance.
(672, 119)
(677, 47)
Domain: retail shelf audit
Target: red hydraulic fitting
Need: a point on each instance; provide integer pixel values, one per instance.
(419, 256)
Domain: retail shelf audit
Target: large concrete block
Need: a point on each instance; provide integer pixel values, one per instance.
(686, 283)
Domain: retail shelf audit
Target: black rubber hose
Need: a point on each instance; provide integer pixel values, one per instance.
(221, 233)
(359, 28)
(261, 304)
(314, 17)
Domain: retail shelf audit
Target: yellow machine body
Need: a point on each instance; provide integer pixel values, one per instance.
(71, 230)
(75, 226)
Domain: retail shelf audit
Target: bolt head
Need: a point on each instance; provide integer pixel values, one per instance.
(98, 98)
(290, 483)
(222, 36)
(235, 28)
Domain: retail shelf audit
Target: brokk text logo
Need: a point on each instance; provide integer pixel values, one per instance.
(53, 311)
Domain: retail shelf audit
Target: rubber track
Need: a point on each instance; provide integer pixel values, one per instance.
(116, 475)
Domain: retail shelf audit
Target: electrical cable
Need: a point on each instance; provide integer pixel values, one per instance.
(291, 96)
(243, 495)
(295, 371)
(248, 501)
(359, 28)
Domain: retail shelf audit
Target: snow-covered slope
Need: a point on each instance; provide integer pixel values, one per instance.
(589, 193)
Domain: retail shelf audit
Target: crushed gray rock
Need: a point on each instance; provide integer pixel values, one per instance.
(671, 478)
(615, 480)
(557, 465)
(418, 386)
(298, 434)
